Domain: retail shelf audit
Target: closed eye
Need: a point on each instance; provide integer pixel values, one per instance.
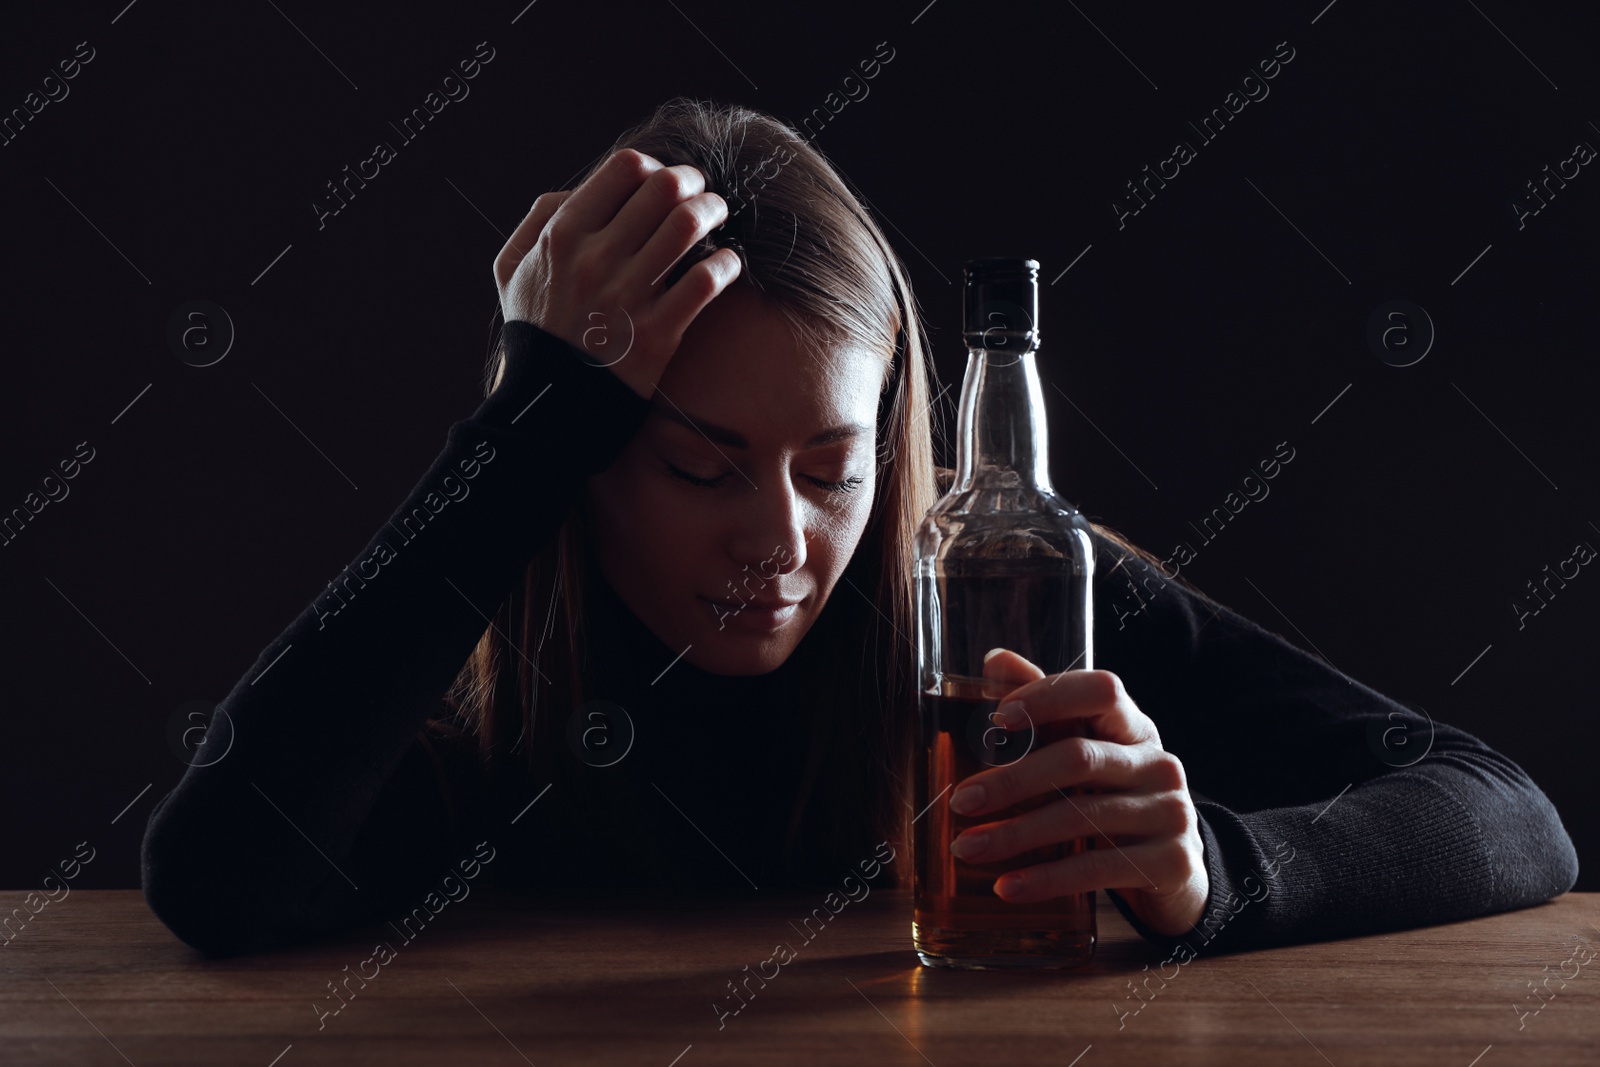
(710, 483)
(848, 485)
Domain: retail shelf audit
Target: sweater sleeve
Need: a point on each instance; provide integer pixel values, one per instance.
(1326, 809)
(328, 810)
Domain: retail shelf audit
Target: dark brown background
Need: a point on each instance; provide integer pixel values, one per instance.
(1219, 322)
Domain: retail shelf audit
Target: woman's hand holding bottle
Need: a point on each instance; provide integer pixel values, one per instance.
(587, 264)
(1140, 805)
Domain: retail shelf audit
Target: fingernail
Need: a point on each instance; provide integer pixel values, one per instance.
(968, 799)
(1011, 883)
(969, 845)
(1010, 716)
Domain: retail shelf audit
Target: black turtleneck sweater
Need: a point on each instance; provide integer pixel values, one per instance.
(332, 809)
(701, 767)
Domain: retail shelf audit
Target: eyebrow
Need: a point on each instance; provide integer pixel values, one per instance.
(723, 435)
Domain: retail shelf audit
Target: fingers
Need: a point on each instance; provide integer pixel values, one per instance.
(1005, 670)
(597, 201)
(1127, 817)
(1153, 868)
(1072, 761)
(1096, 697)
(525, 235)
(684, 225)
(679, 305)
(648, 210)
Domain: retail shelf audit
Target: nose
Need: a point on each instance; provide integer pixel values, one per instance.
(770, 535)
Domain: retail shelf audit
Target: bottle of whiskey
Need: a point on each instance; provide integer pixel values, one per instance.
(1001, 562)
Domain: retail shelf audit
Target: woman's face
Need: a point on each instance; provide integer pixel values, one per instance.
(786, 436)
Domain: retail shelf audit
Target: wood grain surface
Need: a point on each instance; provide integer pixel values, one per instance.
(494, 979)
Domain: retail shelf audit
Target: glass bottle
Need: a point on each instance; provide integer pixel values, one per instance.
(1001, 562)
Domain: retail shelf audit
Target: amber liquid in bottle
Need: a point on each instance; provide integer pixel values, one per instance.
(1002, 561)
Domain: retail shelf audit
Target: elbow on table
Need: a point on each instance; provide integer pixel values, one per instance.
(188, 888)
(1530, 853)
(193, 921)
(1542, 862)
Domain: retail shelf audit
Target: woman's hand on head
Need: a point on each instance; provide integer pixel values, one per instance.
(1148, 846)
(587, 264)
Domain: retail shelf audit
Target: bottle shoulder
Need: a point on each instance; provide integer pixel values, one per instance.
(994, 506)
(1033, 529)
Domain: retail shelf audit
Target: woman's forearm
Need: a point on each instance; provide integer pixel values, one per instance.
(260, 846)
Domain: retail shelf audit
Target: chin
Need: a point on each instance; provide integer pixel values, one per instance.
(744, 642)
(735, 651)
(749, 657)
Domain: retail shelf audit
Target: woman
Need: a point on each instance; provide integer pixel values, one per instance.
(645, 622)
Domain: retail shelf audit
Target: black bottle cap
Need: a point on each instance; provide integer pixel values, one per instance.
(1000, 307)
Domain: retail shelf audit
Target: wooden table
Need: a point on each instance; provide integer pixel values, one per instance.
(96, 979)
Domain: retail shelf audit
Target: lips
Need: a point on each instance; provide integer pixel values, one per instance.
(758, 605)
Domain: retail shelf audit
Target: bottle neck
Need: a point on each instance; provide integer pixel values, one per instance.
(1002, 438)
